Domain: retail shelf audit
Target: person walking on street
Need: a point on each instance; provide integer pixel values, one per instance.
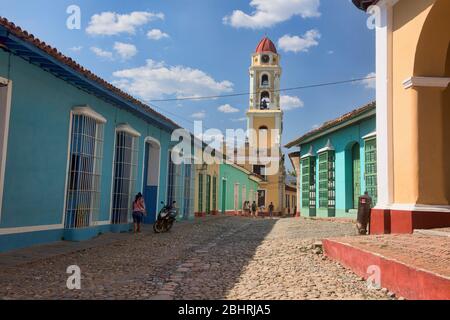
(138, 212)
(254, 209)
(271, 208)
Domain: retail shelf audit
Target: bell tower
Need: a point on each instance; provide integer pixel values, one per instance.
(265, 121)
(264, 106)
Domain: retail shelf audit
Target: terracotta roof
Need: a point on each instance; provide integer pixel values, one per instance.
(330, 124)
(364, 4)
(266, 45)
(53, 52)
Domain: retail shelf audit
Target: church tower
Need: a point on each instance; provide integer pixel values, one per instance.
(265, 117)
(265, 71)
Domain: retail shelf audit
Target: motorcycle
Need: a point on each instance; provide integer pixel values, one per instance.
(166, 218)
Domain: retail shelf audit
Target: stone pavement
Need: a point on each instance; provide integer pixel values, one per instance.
(210, 258)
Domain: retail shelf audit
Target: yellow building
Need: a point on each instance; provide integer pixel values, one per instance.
(413, 112)
(206, 189)
(265, 125)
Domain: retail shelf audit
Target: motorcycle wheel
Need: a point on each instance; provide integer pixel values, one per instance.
(158, 227)
(169, 225)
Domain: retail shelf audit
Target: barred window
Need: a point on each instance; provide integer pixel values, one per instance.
(125, 172)
(85, 167)
(327, 189)
(308, 186)
(371, 168)
(188, 190)
(174, 186)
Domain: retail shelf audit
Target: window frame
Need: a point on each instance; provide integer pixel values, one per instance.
(311, 191)
(88, 112)
(368, 186)
(127, 129)
(327, 176)
(5, 132)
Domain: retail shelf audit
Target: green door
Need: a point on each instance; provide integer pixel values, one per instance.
(224, 196)
(356, 158)
(208, 194)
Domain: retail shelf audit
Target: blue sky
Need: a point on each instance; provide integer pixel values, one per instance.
(192, 50)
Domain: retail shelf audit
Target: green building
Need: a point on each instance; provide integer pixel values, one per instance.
(337, 164)
(237, 185)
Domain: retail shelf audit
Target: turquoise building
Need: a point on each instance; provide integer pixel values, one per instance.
(74, 150)
(337, 164)
(237, 186)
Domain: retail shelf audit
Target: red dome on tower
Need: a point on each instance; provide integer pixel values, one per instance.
(266, 45)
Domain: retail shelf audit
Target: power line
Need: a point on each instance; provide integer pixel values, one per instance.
(317, 85)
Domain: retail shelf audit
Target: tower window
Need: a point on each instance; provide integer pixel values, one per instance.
(265, 80)
(265, 100)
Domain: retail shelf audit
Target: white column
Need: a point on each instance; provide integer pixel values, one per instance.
(384, 105)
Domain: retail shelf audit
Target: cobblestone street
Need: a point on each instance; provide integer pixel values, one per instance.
(209, 258)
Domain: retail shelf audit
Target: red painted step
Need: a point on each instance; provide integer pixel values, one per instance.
(415, 267)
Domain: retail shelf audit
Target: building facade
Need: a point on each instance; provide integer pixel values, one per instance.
(207, 188)
(75, 150)
(413, 99)
(237, 185)
(337, 164)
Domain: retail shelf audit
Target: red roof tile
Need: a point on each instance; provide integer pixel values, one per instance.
(332, 123)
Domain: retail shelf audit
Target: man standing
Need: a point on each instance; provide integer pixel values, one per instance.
(254, 209)
(271, 208)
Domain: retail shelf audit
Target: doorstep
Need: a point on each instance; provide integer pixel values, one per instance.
(413, 266)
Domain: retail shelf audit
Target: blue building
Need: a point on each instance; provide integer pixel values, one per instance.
(337, 163)
(74, 150)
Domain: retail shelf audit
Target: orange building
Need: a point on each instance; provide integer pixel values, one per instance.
(413, 108)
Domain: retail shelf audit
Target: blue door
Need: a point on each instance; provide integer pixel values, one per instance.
(151, 177)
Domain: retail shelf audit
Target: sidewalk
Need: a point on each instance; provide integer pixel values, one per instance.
(45, 251)
(414, 266)
(41, 252)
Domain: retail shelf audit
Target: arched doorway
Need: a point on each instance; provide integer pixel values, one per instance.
(152, 158)
(431, 61)
(356, 174)
(445, 119)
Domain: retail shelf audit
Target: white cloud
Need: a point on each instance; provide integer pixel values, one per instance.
(102, 53)
(226, 108)
(268, 13)
(111, 23)
(76, 48)
(156, 80)
(199, 115)
(156, 34)
(290, 103)
(125, 50)
(370, 83)
(299, 44)
(239, 119)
